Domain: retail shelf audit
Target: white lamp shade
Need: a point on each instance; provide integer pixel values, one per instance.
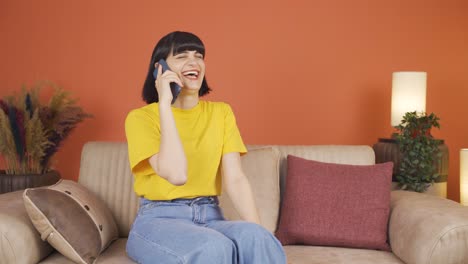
(408, 94)
(464, 176)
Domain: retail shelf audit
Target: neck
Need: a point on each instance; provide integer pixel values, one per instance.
(185, 101)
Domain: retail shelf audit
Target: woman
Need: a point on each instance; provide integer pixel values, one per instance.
(175, 152)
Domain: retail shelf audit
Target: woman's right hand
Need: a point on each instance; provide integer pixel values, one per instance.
(163, 82)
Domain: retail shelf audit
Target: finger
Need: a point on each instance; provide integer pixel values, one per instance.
(159, 69)
(175, 79)
(169, 73)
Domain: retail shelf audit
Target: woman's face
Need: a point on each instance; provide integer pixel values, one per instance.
(190, 67)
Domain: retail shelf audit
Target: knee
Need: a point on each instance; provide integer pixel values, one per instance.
(143, 250)
(216, 249)
(255, 242)
(251, 231)
(219, 247)
(252, 235)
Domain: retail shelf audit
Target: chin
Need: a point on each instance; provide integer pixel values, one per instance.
(193, 86)
(191, 90)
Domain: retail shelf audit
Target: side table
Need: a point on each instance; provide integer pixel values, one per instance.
(386, 149)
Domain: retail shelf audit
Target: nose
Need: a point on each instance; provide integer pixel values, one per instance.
(191, 60)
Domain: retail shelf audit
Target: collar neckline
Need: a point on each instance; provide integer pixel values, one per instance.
(190, 110)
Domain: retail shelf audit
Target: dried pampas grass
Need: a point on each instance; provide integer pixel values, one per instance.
(31, 133)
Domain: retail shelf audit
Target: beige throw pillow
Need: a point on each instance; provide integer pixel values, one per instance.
(72, 219)
(261, 167)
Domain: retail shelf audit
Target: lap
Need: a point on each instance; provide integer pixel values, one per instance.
(169, 234)
(237, 229)
(173, 240)
(254, 243)
(180, 235)
(174, 233)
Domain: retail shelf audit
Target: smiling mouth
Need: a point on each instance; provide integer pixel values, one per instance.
(192, 75)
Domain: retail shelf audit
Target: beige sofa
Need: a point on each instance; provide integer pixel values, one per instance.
(422, 228)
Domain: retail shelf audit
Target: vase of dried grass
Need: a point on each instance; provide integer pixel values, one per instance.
(16, 182)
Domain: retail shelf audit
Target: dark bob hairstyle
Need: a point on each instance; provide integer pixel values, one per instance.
(175, 42)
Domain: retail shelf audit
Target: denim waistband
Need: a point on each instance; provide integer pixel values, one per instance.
(197, 200)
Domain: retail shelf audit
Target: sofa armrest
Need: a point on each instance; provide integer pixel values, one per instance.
(428, 229)
(19, 240)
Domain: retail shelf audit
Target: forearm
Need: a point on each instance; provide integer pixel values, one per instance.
(171, 162)
(240, 192)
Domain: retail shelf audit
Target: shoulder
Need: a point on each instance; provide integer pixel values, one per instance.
(220, 107)
(147, 112)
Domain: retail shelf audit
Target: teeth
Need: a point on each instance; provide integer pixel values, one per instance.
(191, 73)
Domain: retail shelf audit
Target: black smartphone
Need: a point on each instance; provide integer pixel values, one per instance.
(175, 88)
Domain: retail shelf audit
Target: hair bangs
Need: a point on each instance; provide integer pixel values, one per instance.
(187, 42)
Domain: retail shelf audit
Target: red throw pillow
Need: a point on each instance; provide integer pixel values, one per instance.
(335, 204)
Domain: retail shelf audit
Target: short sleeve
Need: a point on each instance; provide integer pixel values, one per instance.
(143, 139)
(232, 138)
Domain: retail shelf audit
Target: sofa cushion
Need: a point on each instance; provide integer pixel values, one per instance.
(71, 219)
(19, 240)
(335, 204)
(261, 166)
(105, 171)
(114, 254)
(299, 254)
(428, 229)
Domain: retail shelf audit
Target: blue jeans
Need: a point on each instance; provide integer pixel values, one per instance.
(195, 231)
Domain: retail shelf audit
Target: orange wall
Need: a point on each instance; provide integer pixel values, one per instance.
(295, 72)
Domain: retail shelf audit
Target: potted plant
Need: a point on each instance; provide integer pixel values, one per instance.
(419, 151)
(32, 132)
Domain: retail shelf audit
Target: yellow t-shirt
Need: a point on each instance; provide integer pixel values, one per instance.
(207, 131)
